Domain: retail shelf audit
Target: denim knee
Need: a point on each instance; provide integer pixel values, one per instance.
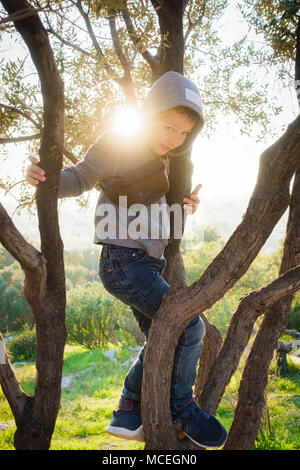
(195, 331)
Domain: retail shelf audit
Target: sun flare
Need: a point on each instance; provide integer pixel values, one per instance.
(128, 121)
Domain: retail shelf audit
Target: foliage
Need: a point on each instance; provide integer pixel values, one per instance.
(14, 308)
(92, 72)
(262, 271)
(89, 319)
(94, 318)
(294, 317)
(23, 346)
(76, 275)
(6, 258)
(15, 312)
(277, 21)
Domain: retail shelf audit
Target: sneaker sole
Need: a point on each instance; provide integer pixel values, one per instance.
(180, 434)
(123, 433)
(138, 435)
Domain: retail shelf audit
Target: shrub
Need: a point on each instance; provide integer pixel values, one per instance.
(95, 318)
(15, 311)
(23, 346)
(89, 317)
(294, 316)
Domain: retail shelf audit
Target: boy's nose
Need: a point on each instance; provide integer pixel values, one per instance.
(175, 141)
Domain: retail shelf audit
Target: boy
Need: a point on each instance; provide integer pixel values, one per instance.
(131, 267)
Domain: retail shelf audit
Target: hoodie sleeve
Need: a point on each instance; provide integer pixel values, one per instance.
(96, 166)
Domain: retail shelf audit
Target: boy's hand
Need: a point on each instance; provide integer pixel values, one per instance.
(193, 202)
(34, 174)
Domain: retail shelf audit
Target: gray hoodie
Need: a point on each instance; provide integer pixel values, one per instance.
(120, 225)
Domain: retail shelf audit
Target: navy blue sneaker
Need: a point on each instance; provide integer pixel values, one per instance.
(127, 425)
(201, 428)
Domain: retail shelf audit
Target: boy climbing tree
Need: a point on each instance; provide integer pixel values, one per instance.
(131, 267)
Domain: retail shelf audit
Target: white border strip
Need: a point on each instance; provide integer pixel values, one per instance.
(2, 352)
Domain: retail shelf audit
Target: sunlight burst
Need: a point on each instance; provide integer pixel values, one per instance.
(128, 120)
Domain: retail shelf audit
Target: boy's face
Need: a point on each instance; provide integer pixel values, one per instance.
(167, 131)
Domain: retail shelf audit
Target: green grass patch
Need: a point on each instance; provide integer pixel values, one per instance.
(95, 383)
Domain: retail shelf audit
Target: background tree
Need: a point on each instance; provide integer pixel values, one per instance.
(44, 285)
(172, 31)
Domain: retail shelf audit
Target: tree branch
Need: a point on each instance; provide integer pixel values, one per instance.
(193, 24)
(268, 203)
(15, 396)
(14, 140)
(117, 45)
(251, 400)
(100, 54)
(68, 43)
(125, 81)
(22, 113)
(135, 38)
(250, 308)
(30, 259)
(297, 62)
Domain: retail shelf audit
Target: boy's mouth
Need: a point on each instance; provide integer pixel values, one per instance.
(165, 149)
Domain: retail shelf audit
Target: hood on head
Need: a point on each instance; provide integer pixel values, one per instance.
(170, 90)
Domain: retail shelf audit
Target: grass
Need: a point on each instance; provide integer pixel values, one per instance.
(87, 404)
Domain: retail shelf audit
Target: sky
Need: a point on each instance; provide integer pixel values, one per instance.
(225, 164)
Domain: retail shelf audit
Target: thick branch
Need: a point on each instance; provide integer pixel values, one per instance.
(297, 59)
(267, 204)
(251, 400)
(125, 81)
(15, 396)
(170, 17)
(250, 308)
(117, 45)
(49, 311)
(14, 242)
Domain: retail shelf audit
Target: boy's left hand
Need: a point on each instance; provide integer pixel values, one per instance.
(192, 204)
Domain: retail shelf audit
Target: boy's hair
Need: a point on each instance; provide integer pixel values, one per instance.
(190, 113)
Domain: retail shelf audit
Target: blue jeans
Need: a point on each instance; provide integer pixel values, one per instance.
(135, 278)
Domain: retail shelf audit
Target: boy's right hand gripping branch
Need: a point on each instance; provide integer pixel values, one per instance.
(34, 174)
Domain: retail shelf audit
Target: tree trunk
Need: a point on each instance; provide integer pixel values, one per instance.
(180, 305)
(251, 400)
(44, 272)
(170, 17)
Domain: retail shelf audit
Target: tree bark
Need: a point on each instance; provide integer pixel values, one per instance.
(180, 305)
(250, 308)
(170, 17)
(44, 282)
(211, 347)
(251, 400)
